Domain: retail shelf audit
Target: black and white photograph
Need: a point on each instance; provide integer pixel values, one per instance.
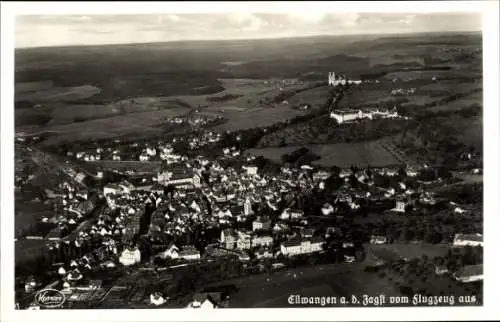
(249, 159)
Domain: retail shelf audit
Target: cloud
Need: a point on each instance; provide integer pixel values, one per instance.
(247, 21)
(408, 19)
(64, 30)
(312, 17)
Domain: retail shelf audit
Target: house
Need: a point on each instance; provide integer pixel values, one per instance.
(327, 209)
(30, 284)
(411, 173)
(261, 224)
(263, 253)
(280, 227)
(244, 241)
(349, 115)
(189, 253)
(312, 245)
(347, 245)
(400, 205)
(172, 251)
(262, 240)
(321, 175)
(306, 246)
(470, 273)
(130, 256)
(349, 259)
(346, 172)
(151, 151)
(378, 239)
(468, 240)
(74, 275)
(61, 271)
(441, 270)
(228, 238)
(205, 301)
(250, 170)
(182, 177)
(291, 214)
(291, 247)
(157, 299)
(244, 256)
(80, 177)
(95, 284)
(308, 233)
(113, 189)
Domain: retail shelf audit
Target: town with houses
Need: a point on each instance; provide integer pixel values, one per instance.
(251, 172)
(194, 210)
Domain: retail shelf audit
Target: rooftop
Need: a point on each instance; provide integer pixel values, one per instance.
(469, 237)
(214, 297)
(346, 111)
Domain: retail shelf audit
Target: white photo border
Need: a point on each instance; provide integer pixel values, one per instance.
(489, 9)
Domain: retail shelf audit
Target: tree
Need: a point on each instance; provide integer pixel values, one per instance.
(407, 234)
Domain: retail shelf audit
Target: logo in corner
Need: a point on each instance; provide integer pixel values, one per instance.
(49, 298)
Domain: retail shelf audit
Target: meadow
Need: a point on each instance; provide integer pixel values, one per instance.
(117, 88)
(342, 155)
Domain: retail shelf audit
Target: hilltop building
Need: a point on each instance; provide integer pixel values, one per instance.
(351, 115)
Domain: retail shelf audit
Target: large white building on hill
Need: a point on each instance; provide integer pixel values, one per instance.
(351, 115)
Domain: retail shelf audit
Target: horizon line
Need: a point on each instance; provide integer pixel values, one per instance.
(253, 39)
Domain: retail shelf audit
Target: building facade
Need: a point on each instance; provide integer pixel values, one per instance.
(473, 240)
(130, 257)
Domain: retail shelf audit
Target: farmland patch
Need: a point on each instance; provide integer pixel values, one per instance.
(340, 154)
(59, 94)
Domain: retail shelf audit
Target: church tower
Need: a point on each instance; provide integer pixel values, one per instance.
(248, 207)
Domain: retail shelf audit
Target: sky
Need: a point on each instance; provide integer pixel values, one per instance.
(66, 30)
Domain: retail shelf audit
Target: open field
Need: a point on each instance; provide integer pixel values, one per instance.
(238, 94)
(450, 86)
(28, 87)
(421, 100)
(268, 291)
(409, 251)
(107, 127)
(458, 105)
(316, 97)
(340, 154)
(473, 133)
(57, 94)
(91, 121)
(27, 250)
(256, 117)
(116, 89)
(28, 214)
(273, 290)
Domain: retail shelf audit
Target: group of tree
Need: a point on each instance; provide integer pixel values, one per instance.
(299, 157)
